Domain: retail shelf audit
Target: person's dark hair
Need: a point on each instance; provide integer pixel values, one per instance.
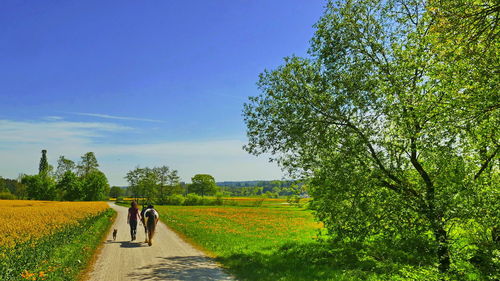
(133, 204)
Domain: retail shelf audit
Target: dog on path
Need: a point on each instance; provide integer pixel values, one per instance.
(115, 231)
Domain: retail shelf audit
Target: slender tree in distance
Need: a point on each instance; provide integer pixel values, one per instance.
(43, 167)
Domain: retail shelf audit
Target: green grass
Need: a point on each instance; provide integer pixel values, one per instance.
(232, 229)
(62, 256)
(276, 243)
(280, 242)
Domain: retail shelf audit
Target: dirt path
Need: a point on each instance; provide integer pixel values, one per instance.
(169, 258)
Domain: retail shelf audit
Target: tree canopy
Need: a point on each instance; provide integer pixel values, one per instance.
(154, 183)
(88, 163)
(64, 165)
(391, 138)
(203, 184)
(89, 184)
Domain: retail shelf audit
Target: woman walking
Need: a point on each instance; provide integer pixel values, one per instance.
(133, 217)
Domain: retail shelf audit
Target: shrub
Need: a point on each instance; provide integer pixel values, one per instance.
(193, 199)
(219, 199)
(7, 196)
(258, 201)
(175, 199)
(293, 199)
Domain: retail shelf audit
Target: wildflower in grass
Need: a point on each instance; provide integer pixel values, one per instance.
(27, 275)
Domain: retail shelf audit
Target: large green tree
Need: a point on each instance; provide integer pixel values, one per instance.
(154, 183)
(143, 182)
(64, 165)
(40, 187)
(203, 184)
(70, 185)
(116, 192)
(95, 186)
(168, 182)
(88, 164)
(389, 147)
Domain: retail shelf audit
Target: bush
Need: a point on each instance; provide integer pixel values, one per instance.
(219, 199)
(175, 199)
(293, 199)
(193, 199)
(7, 196)
(258, 202)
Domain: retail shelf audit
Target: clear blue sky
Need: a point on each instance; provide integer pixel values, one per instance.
(141, 82)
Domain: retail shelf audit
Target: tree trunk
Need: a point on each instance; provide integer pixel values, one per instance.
(440, 234)
(443, 250)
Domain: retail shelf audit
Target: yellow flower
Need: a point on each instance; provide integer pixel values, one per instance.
(26, 220)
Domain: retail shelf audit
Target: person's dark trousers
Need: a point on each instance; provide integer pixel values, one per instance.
(133, 228)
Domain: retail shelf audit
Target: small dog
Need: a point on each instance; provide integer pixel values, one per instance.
(115, 231)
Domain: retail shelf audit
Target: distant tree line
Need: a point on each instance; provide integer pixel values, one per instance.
(70, 181)
(271, 189)
(11, 189)
(273, 183)
(158, 184)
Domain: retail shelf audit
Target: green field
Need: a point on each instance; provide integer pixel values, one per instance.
(280, 243)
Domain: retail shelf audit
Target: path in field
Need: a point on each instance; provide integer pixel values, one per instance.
(169, 258)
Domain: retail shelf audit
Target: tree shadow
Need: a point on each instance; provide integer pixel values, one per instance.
(181, 268)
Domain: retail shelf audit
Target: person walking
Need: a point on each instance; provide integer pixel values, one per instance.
(133, 217)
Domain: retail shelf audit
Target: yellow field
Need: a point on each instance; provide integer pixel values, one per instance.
(26, 220)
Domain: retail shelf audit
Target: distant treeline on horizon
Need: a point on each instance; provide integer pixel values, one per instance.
(252, 183)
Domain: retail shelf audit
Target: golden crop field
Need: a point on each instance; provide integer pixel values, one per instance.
(26, 220)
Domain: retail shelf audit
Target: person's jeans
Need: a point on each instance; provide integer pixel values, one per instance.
(133, 228)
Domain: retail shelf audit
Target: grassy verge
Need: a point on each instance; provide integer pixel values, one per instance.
(97, 247)
(61, 256)
(278, 244)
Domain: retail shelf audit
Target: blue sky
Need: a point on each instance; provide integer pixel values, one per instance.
(141, 82)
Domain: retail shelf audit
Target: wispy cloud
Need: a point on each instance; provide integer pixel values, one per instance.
(53, 118)
(106, 116)
(19, 132)
(22, 141)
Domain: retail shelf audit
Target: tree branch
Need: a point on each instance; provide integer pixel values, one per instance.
(486, 163)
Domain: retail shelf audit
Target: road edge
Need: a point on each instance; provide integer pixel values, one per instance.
(85, 273)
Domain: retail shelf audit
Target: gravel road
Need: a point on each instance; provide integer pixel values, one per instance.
(169, 258)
